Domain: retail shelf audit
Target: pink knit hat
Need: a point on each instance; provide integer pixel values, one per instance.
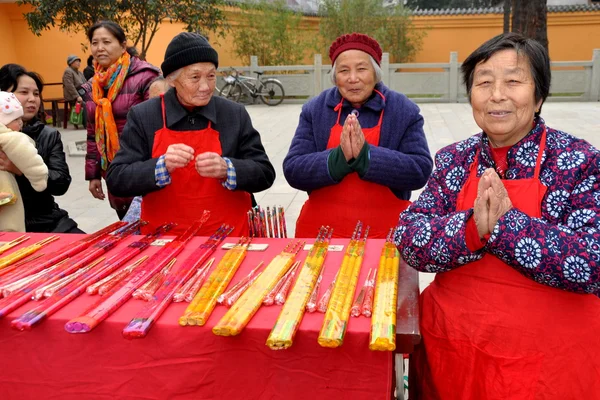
(355, 41)
(10, 108)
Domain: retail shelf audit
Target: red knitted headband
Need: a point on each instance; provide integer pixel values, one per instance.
(355, 41)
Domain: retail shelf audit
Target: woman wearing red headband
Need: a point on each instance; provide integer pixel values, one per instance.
(359, 148)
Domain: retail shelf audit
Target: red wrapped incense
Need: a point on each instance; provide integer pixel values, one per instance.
(114, 299)
(235, 288)
(48, 290)
(311, 305)
(146, 291)
(193, 289)
(356, 309)
(285, 286)
(111, 280)
(367, 306)
(324, 301)
(145, 319)
(20, 254)
(14, 287)
(8, 271)
(200, 274)
(66, 251)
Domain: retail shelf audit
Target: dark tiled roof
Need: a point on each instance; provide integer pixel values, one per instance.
(500, 10)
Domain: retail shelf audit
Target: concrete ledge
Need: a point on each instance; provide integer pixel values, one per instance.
(77, 149)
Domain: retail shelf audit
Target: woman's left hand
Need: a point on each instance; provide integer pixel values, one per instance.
(358, 138)
(7, 165)
(499, 201)
(211, 165)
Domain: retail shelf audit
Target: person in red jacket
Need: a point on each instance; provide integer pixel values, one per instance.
(120, 82)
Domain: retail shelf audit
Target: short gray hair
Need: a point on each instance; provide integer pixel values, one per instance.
(173, 75)
(376, 67)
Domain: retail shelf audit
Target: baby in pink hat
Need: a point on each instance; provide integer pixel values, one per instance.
(21, 150)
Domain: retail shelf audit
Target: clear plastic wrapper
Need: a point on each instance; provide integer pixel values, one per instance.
(243, 283)
(180, 294)
(367, 306)
(357, 306)
(20, 254)
(285, 286)
(146, 291)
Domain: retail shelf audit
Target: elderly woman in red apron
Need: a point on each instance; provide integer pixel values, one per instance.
(359, 148)
(509, 222)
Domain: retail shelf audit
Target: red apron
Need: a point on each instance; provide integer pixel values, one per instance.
(342, 205)
(491, 333)
(189, 194)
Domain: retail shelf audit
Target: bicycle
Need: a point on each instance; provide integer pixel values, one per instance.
(270, 90)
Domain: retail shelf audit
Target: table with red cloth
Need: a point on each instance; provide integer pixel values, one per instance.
(177, 362)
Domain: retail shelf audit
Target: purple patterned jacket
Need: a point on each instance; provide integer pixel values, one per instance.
(134, 91)
(561, 249)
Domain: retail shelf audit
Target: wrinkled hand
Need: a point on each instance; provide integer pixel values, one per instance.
(178, 155)
(481, 207)
(357, 138)
(345, 139)
(499, 201)
(7, 165)
(211, 165)
(96, 189)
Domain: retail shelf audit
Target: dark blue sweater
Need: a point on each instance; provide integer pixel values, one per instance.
(402, 160)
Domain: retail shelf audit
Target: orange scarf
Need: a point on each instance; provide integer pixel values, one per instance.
(107, 136)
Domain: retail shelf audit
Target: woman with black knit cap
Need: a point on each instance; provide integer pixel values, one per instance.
(187, 151)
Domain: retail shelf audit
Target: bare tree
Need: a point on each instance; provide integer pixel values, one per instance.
(530, 19)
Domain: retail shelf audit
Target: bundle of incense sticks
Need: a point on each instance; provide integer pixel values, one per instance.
(357, 306)
(199, 276)
(383, 322)
(324, 300)
(105, 284)
(15, 242)
(269, 223)
(70, 292)
(140, 325)
(338, 311)
(20, 254)
(119, 295)
(49, 289)
(269, 299)
(200, 308)
(146, 291)
(286, 285)
(238, 316)
(311, 306)
(65, 268)
(243, 283)
(367, 305)
(8, 271)
(292, 312)
(68, 250)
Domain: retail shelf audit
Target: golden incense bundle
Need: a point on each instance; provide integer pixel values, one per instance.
(200, 308)
(383, 322)
(292, 312)
(25, 252)
(238, 316)
(338, 311)
(15, 242)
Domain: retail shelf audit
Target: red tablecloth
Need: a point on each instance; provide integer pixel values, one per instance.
(191, 362)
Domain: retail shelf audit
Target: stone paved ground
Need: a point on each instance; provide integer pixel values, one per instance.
(444, 124)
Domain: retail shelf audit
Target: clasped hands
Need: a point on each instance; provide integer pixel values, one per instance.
(352, 139)
(492, 202)
(208, 164)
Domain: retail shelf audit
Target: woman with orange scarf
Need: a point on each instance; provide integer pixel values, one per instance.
(120, 81)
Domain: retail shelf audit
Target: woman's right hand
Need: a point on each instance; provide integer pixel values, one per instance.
(96, 189)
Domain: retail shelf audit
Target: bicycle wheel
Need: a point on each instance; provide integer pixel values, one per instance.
(232, 91)
(271, 92)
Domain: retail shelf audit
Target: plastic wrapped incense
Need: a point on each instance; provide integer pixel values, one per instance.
(269, 299)
(114, 299)
(48, 290)
(108, 282)
(195, 287)
(140, 325)
(286, 285)
(311, 306)
(68, 250)
(15, 242)
(70, 292)
(282, 222)
(180, 294)
(238, 293)
(202, 305)
(356, 309)
(292, 312)
(238, 316)
(367, 306)
(17, 265)
(25, 252)
(383, 321)
(242, 283)
(324, 300)
(146, 291)
(338, 310)
(14, 287)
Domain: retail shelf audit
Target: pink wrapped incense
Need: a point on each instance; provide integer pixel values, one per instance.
(311, 305)
(199, 276)
(48, 290)
(285, 286)
(114, 299)
(324, 301)
(71, 265)
(356, 309)
(235, 288)
(367, 306)
(140, 325)
(108, 282)
(14, 287)
(146, 291)
(68, 250)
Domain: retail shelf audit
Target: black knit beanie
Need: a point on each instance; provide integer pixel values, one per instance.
(185, 49)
